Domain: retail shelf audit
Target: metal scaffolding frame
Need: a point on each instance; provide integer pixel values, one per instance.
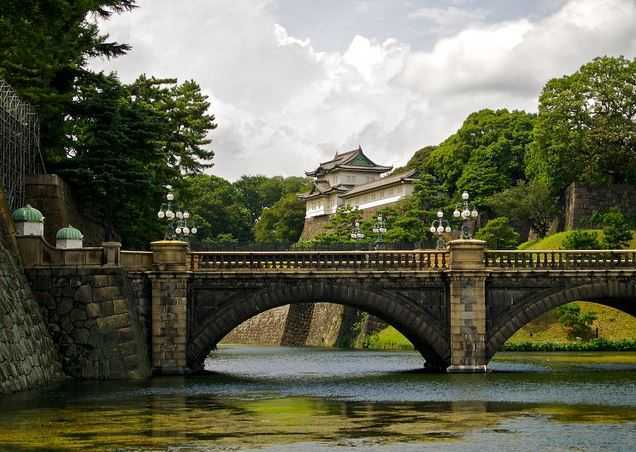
(19, 145)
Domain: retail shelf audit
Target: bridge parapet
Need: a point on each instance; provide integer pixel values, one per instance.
(423, 260)
(560, 259)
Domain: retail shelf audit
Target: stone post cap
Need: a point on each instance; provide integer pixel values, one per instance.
(467, 243)
(111, 244)
(467, 254)
(169, 255)
(175, 243)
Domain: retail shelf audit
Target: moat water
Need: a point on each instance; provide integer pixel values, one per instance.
(280, 399)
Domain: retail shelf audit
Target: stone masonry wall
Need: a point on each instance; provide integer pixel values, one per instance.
(305, 324)
(28, 357)
(582, 201)
(264, 329)
(141, 292)
(91, 316)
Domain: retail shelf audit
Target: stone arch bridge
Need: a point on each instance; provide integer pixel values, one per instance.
(457, 307)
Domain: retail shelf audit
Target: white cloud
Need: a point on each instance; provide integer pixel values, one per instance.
(283, 106)
(449, 19)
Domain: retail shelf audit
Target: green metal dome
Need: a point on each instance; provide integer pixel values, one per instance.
(69, 233)
(28, 214)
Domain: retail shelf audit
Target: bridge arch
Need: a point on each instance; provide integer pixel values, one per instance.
(407, 317)
(618, 294)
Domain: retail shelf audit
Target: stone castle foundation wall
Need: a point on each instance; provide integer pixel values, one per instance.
(94, 321)
(305, 324)
(583, 201)
(28, 357)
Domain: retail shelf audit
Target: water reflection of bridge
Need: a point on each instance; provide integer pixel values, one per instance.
(457, 307)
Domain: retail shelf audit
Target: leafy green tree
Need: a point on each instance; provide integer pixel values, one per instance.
(184, 109)
(581, 240)
(221, 241)
(498, 234)
(217, 207)
(577, 324)
(45, 46)
(531, 202)
(283, 222)
(485, 156)
(259, 192)
(109, 160)
(417, 161)
(617, 233)
(586, 128)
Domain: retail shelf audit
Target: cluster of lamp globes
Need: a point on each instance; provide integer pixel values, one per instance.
(465, 214)
(182, 217)
(357, 234)
(379, 227)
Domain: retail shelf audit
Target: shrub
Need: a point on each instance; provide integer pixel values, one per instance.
(577, 324)
(616, 231)
(581, 240)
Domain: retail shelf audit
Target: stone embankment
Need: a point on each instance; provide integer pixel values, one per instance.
(93, 318)
(28, 356)
(314, 325)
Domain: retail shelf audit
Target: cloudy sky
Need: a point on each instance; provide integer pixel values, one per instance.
(294, 81)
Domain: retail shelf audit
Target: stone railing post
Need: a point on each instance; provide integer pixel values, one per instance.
(467, 306)
(112, 252)
(169, 307)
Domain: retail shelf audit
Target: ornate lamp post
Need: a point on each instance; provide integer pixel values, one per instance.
(379, 229)
(178, 227)
(356, 233)
(468, 214)
(439, 227)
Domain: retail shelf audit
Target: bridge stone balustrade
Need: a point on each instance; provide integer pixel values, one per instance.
(457, 307)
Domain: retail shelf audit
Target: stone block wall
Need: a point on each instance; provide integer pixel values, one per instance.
(141, 293)
(305, 324)
(267, 328)
(169, 323)
(583, 201)
(325, 325)
(92, 318)
(28, 357)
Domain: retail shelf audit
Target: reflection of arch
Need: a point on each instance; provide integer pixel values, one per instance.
(617, 294)
(412, 321)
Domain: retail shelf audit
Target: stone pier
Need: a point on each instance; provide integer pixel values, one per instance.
(169, 307)
(467, 306)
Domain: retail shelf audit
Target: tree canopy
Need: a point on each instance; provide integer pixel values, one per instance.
(586, 128)
(45, 46)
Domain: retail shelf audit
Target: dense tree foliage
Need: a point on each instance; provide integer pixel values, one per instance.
(283, 222)
(531, 202)
(44, 49)
(498, 234)
(219, 212)
(586, 128)
(485, 156)
(259, 192)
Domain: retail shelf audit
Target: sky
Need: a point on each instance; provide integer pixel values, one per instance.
(292, 82)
